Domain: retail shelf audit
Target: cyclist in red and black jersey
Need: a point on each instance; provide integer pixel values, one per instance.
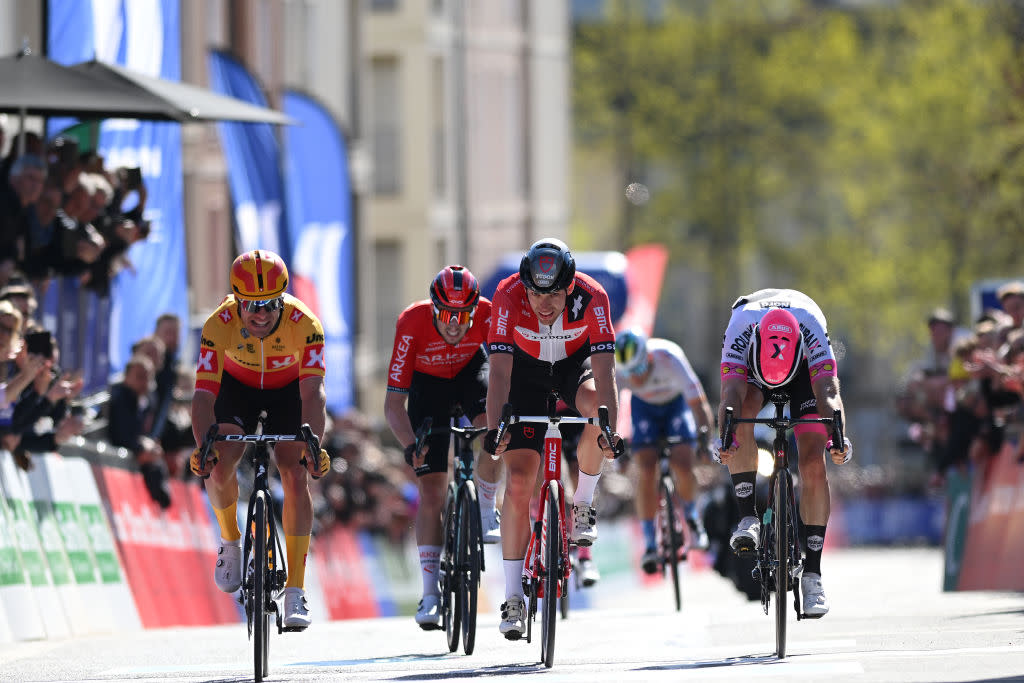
(545, 322)
(438, 363)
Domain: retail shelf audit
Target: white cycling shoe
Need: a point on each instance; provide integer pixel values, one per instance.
(428, 613)
(589, 574)
(490, 524)
(295, 610)
(815, 603)
(512, 611)
(745, 539)
(228, 572)
(584, 524)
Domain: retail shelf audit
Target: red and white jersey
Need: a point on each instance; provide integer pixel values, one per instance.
(748, 310)
(583, 328)
(419, 347)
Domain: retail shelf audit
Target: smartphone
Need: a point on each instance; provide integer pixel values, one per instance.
(40, 343)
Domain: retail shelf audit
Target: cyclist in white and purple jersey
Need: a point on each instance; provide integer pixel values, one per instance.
(778, 338)
(668, 402)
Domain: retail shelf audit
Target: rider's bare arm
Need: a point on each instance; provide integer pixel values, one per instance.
(603, 367)
(314, 404)
(202, 413)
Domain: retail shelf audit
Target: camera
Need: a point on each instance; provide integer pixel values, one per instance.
(40, 343)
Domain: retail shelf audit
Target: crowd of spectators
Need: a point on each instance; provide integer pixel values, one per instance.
(967, 392)
(63, 213)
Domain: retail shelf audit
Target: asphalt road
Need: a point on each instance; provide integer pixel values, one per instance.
(890, 621)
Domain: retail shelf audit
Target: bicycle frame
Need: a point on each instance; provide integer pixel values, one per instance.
(780, 560)
(261, 577)
(537, 572)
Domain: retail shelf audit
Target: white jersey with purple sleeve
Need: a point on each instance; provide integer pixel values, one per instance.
(671, 375)
(748, 310)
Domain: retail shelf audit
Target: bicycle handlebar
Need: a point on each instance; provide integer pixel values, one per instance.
(213, 435)
(779, 424)
(602, 421)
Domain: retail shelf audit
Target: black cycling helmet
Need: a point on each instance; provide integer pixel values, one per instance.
(548, 266)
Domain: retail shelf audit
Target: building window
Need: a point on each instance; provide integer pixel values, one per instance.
(389, 285)
(387, 131)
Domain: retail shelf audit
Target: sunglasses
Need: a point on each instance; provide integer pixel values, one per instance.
(270, 305)
(446, 316)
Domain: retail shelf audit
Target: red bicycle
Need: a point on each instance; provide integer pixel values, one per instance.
(547, 566)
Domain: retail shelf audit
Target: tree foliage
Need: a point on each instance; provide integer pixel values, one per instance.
(870, 155)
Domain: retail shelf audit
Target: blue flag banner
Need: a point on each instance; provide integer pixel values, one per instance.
(319, 201)
(254, 170)
(143, 36)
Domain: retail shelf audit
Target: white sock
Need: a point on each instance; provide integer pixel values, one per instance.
(487, 491)
(513, 577)
(430, 560)
(585, 488)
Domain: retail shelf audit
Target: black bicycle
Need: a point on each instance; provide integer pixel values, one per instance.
(262, 552)
(462, 550)
(779, 556)
(670, 541)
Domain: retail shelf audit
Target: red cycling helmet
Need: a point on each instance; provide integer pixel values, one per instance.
(454, 293)
(776, 348)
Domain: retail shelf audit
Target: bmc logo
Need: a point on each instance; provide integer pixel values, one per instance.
(553, 456)
(602, 319)
(502, 327)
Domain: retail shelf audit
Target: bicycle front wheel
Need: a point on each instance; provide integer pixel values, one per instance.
(260, 616)
(552, 575)
(451, 611)
(781, 521)
(470, 546)
(671, 539)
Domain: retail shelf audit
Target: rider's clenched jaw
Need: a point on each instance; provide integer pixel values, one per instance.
(547, 307)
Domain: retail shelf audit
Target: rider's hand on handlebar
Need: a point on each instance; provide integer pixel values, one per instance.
(417, 460)
(211, 461)
(617, 447)
(721, 455)
(492, 446)
(839, 457)
(318, 466)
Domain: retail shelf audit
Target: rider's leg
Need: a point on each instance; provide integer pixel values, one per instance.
(297, 510)
(743, 466)
(432, 489)
(520, 483)
(814, 494)
(681, 461)
(588, 454)
(645, 460)
(222, 487)
(488, 480)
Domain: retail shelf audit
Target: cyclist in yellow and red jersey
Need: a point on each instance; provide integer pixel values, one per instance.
(546, 321)
(438, 363)
(262, 349)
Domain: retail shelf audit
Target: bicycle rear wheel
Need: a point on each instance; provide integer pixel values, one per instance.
(781, 521)
(552, 575)
(671, 539)
(451, 611)
(469, 553)
(260, 616)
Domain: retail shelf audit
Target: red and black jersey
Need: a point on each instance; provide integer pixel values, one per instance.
(583, 328)
(419, 347)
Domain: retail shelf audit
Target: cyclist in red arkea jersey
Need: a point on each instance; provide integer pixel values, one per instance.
(546, 322)
(437, 364)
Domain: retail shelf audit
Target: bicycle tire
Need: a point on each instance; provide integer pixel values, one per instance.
(470, 548)
(781, 521)
(260, 617)
(563, 602)
(671, 539)
(552, 559)
(450, 610)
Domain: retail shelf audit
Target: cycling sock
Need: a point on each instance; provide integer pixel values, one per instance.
(743, 485)
(814, 542)
(583, 553)
(650, 537)
(487, 490)
(513, 577)
(585, 488)
(430, 561)
(297, 547)
(227, 518)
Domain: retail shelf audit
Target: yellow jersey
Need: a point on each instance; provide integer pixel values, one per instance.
(294, 348)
